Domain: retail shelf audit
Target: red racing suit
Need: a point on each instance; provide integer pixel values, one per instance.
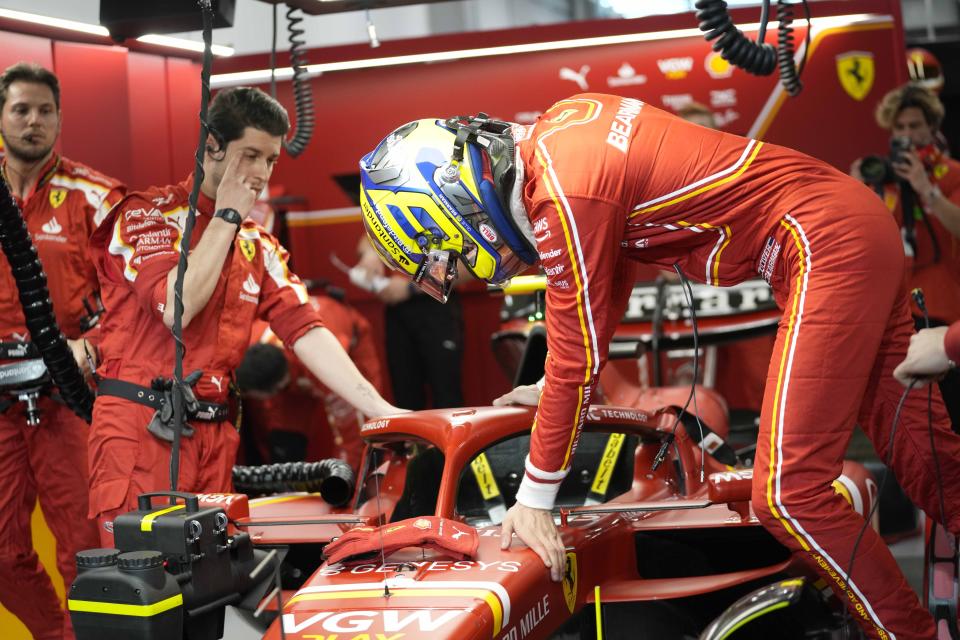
(134, 249)
(329, 423)
(49, 460)
(607, 180)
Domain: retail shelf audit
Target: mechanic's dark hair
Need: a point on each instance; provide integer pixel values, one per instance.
(905, 97)
(233, 110)
(28, 72)
(263, 368)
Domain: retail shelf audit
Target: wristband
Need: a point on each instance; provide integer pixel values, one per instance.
(229, 215)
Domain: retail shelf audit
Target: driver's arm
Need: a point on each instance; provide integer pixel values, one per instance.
(581, 279)
(580, 249)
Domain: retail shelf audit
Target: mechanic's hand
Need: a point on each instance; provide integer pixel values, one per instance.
(80, 348)
(527, 394)
(535, 527)
(397, 290)
(855, 170)
(926, 359)
(912, 170)
(234, 191)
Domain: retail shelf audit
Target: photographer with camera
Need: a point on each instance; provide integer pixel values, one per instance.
(921, 187)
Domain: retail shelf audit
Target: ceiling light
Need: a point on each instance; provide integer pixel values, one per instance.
(59, 23)
(183, 43)
(98, 30)
(285, 73)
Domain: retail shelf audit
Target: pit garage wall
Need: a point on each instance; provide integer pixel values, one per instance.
(128, 114)
(133, 115)
(355, 109)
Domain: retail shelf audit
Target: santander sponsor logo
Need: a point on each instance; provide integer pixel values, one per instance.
(52, 226)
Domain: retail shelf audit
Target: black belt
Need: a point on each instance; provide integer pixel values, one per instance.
(204, 412)
(18, 350)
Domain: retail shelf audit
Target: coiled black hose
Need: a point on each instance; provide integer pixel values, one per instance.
(31, 284)
(302, 92)
(332, 478)
(789, 76)
(757, 58)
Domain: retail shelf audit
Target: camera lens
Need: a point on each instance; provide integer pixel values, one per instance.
(875, 170)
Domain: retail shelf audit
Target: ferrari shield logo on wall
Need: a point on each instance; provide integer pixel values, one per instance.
(570, 581)
(249, 249)
(855, 71)
(57, 196)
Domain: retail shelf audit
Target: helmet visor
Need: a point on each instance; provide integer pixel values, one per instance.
(437, 274)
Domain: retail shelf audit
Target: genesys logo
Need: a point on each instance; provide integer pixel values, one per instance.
(675, 68)
(626, 76)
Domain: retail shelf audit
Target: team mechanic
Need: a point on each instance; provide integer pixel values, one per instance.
(62, 202)
(238, 273)
(283, 404)
(601, 180)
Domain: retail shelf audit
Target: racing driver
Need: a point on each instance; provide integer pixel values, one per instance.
(600, 181)
(238, 273)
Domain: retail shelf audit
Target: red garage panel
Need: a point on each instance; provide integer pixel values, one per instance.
(18, 47)
(96, 129)
(183, 95)
(149, 112)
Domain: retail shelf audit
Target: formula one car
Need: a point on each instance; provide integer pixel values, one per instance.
(654, 551)
(651, 552)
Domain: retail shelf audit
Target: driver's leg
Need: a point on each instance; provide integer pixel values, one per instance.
(841, 285)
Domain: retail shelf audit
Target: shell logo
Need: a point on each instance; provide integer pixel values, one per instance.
(716, 66)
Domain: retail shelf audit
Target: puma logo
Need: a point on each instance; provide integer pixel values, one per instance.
(566, 73)
(458, 533)
(217, 381)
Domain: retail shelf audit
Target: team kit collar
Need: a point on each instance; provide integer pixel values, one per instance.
(205, 204)
(49, 169)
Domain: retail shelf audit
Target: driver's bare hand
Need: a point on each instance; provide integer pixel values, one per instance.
(528, 394)
(535, 527)
(234, 191)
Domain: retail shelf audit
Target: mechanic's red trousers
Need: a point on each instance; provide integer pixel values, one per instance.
(846, 325)
(48, 461)
(127, 460)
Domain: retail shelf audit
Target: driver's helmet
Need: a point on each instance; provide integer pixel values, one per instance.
(924, 69)
(437, 191)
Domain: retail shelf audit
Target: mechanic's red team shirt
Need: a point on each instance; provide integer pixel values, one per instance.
(951, 342)
(137, 246)
(66, 206)
(938, 278)
(603, 173)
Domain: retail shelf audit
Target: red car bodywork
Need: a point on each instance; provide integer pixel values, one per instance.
(501, 594)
